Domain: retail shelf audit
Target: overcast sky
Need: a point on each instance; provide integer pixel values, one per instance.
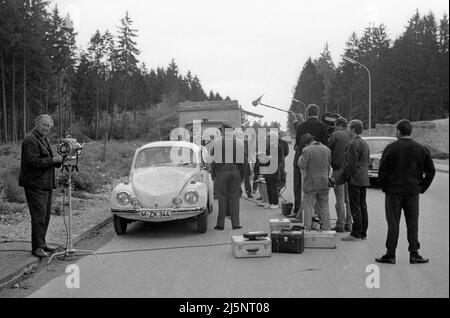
(244, 48)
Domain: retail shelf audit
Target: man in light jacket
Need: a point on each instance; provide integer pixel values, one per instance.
(315, 162)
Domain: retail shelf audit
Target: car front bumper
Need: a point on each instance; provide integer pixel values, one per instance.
(175, 214)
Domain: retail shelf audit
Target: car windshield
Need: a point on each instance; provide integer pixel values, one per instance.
(166, 156)
(377, 146)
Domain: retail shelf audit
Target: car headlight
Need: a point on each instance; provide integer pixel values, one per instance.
(375, 164)
(177, 201)
(136, 203)
(123, 198)
(191, 197)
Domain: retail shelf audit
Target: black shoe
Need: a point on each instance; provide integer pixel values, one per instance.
(386, 259)
(417, 259)
(338, 229)
(39, 252)
(348, 228)
(237, 227)
(364, 237)
(49, 249)
(249, 195)
(219, 228)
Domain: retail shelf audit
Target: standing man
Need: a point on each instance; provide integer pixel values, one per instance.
(315, 163)
(356, 174)
(317, 129)
(37, 176)
(406, 171)
(229, 173)
(338, 143)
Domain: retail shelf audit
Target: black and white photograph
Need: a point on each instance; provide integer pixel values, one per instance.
(223, 155)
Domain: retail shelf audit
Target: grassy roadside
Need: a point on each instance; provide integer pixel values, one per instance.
(93, 176)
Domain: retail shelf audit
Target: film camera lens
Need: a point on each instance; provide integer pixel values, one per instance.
(69, 148)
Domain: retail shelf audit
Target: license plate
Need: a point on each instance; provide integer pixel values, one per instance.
(156, 214)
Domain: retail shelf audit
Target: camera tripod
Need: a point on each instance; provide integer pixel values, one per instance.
(70, 251)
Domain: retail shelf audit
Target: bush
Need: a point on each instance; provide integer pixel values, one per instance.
(10, 183)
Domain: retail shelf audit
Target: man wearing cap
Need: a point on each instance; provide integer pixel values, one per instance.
(316, 128)
(37, 176)
(314, 163)
(406, 171)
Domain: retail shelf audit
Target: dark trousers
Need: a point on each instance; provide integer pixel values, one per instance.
(358, 208)
(247, 183)
(228, 184)
(39, 204)
(410, 205)
(272, 191)
(297, 190)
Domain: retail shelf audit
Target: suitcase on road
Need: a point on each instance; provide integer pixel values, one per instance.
(280, 224)
(320, 239)
(288, 242)
(243, 248)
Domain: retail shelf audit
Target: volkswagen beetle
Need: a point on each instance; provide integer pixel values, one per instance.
(169, 180)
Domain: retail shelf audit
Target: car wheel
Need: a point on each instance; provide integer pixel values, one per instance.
(202, 221)
(120, 225)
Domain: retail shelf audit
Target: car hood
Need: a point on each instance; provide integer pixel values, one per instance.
(156, 186)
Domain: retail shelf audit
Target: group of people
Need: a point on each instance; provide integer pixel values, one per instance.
(406, 171)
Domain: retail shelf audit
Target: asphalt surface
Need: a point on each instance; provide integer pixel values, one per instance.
(211, 271)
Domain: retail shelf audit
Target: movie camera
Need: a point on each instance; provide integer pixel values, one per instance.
(329, 119)
(69, 148)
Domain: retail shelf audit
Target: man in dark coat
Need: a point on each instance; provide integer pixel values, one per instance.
(37, 176)
(406, 171)
(316, 128)
(338, 143)
(356, 174)
(228, 172)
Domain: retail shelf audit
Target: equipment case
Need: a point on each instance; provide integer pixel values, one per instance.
(243, 248)
(280, 224)
(288, 242)
(320, 239)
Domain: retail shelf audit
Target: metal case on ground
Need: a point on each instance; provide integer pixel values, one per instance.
(281, 224)
(243, 248)
(320, 239)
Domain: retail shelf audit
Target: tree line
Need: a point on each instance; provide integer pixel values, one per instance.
(409, 75)
(101, 91)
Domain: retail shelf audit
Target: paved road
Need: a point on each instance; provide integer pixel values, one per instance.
(214, 272)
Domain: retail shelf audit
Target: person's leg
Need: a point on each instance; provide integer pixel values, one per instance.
(393, 209)
(297, 191)
(221, 185)
(348, 218)
(355, 208)
(308, 207)
(324, 209)
(411, 210)
(339, 193)
(234, 197)
(37, 204)
(48, 213)
(271, 189)
(364, 213)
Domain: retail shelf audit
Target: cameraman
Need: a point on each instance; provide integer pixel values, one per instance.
(37, 176)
